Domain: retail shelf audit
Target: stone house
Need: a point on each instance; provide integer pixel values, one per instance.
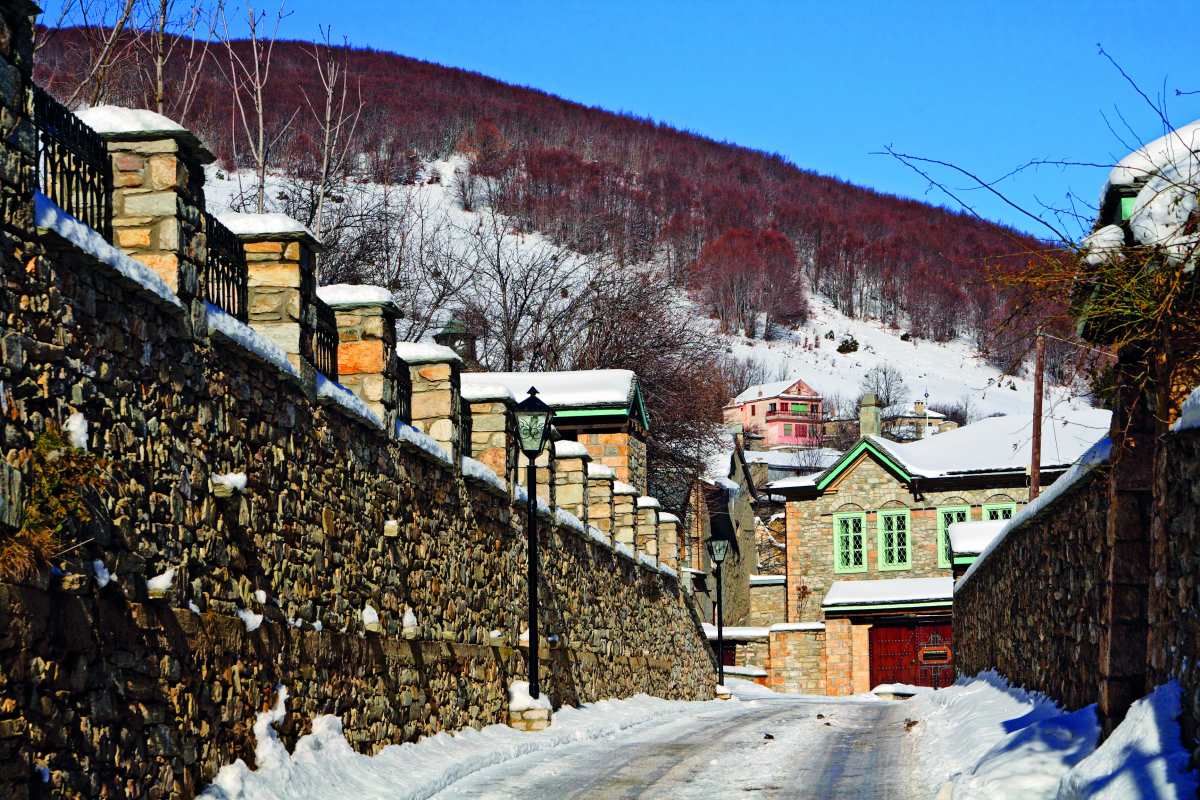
(783, 413)
(868, 549)
(916, 422)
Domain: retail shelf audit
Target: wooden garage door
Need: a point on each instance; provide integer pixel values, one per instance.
(918, 653)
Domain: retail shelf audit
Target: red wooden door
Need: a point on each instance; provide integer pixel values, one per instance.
(915, 653)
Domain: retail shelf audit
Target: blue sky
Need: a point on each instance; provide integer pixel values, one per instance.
(985, 85)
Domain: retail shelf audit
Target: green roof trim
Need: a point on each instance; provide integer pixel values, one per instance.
(636, 407)
(864, 445)
(965, 559)
(876, 606)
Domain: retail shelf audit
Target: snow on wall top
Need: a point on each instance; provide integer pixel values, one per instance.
(250, 225)
(737, 633)
(1097, 454)
(620, 487)
(480, 392)
(667, 516)
(890, 590)
(108, 120)
(588, 387)
(426, 353)
(1189, 416)
(598, 470)
(568, 449)
(973, 537)
(46, 214)
(768, 580)
(353, 295)
(648, 502)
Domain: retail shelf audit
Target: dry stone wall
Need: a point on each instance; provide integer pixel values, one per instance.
(121, 695)
(1033, 609)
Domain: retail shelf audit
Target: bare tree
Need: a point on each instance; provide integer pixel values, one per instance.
(179, 39)
(104, 26)
(887, 384)
(247, 76)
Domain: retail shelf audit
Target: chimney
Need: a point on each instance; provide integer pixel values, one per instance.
(868, 415)
(919, 408)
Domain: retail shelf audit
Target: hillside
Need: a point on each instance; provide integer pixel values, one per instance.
(590, 179)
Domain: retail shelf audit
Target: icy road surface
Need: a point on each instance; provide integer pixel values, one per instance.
(820, 749)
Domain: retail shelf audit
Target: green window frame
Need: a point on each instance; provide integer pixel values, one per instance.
(799, 408)
(849, 543)
(895, 539)
(995, 511)
(946, 516)
(1127, 207)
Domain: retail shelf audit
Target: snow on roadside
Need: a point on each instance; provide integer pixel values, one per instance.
(323, 764)
(990, 740)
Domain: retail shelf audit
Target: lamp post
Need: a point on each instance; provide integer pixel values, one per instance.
(533, 429)
(717, 550)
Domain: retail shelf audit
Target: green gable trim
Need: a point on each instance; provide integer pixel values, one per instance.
(640, 404)
(965, 559)
(855, 452)
(879, 606)
(592, 412)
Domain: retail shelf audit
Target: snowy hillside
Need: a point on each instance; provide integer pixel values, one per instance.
(949, 372)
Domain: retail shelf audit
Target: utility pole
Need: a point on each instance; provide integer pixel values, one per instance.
(1035, 456)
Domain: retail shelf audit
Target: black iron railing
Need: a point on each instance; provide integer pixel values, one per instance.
(325, 340)
(73, 166)
(223, 280)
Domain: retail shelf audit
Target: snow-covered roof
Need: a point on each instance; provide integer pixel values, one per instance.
(427, 353)
(118, 122)
(1001, 444)
(912, 413)
(1138, 166)
(568, 449)
(256, 226)
(648, 502)
(577, 389)
(971, 538)
(888, 591)
(764, 391)
(799, 482)
(768, 580)
(354, 295)
(811, 458)
(481, 392)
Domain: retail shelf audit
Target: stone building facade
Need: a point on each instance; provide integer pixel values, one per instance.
(233, 486)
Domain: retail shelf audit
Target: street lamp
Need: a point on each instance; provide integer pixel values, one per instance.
(533, 429)
(717, 550)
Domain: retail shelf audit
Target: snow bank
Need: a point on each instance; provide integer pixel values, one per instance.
(47, 215)
(324, 765)
(1098, 454)
(348, 400)
(483, 473)
(248, 339)
(353, 295)
(900, 688)
(407, 433)
(991, 740)
(427, 353)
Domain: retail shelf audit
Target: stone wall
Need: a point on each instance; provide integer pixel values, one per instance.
(1033, 609)
(768, 602)
(335, 515)
(797, 661)
(1173, 647)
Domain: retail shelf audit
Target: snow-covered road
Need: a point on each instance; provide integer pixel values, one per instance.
(771, 747)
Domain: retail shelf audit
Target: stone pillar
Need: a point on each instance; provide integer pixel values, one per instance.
(157, 191)
(570, 478)
(839, 657)
(367, 362)
(1125, 618)
(281, 265)
(436, 393)
(668, 539)
(600, 497)
(624, 514)
(493, 432)
(622, 451)
(647, 526)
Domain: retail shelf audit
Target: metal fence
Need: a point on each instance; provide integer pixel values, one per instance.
(73, 166)
(223, 279)
(325, 340)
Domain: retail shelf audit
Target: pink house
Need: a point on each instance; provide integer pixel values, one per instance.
(784, 413)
